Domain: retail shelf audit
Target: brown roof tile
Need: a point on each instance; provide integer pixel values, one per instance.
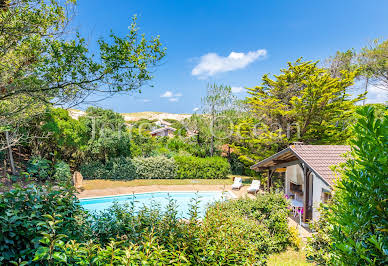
(320, 158)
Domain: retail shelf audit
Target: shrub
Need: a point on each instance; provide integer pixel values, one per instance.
(229, 234)
(121, 168)
(62, 172)
(43, 170)
(201, 168)
(356, 219)
(40, 168)
(94, 170)
(21, 211)
(154, 167)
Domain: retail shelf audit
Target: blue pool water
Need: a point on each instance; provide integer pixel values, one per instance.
(161, 199)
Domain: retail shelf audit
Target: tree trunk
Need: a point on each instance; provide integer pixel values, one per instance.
(10, 153)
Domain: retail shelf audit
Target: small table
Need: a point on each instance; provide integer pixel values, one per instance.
(296, 205)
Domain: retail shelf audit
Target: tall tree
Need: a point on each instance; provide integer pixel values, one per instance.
(219, 99)
(41, 64)
(374, 63)
(306, 102)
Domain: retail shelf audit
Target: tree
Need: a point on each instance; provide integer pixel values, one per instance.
(374, 63)
(342, 61)
(41, 64)
(219, 99)
(64, 137)
(108, 136)
(355, 222)
(305, 102)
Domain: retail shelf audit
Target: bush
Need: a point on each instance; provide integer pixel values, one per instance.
(21, 211)
(239, 232)
(62, 172)
(201, 168)
(158, 167)
(43, 170)
(355, 222)
(40, 168)
(94, 170)
(154, 167)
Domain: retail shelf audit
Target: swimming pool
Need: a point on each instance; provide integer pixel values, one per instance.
(152, 199)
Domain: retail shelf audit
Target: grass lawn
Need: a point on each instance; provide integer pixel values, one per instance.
(289, 257)
(101, 183)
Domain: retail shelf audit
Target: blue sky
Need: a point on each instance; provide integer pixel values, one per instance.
(230, 42)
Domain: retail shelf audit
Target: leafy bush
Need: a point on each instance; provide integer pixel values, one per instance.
(158, 167)
(239, 232)
(121, 168)
(43, 170)
(201, 168)
(21, 215)
(40, 168)
(269, 210)
(353, 226)
(154, 167)
(62, 172)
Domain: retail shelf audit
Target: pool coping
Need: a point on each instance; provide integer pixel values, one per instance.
(182, 191)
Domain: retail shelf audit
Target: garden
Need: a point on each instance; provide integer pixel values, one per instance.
(45, 71)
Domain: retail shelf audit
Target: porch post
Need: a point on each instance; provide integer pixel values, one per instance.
(306, 192)
(269, 181)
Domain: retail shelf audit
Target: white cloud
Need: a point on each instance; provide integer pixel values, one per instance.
(211, 63)
(173, 99)
(167, 94)
(144, 100)
(195, 109)
(237, 89)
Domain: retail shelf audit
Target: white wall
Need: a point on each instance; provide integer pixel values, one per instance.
(318, 186)
(294, 174)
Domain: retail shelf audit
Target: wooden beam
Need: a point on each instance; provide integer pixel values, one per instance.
(285, 164)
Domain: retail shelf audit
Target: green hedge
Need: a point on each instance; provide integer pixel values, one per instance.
(116, 168)
(191, 167)
(159, 167)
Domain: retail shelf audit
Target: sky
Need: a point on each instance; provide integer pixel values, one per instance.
(229, 42)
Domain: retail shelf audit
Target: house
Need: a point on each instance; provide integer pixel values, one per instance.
(163, 132)
(162, 123)
(308, 177)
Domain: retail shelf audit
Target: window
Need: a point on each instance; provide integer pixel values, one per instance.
(325, 196)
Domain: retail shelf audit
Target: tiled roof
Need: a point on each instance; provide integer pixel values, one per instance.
(162, 129)
(320, 158)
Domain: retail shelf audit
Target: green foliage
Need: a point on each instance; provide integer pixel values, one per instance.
(201, 168)
(40, 168)
(154, 167)
(116, 168)
(357, 221)
(242, 232)
(108, 136)
(373, 61)
(158, 167)
(308, 100)
(44, 170)
(22, 212)
(66, 137)
(62, 172)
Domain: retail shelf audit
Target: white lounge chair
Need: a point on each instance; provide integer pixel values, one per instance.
(254, 187)
(237, 183)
